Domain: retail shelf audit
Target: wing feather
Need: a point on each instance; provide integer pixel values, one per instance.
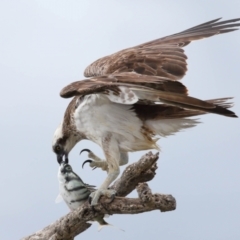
(132, 88)
(161, 57)
(143, 75)
(111, 82)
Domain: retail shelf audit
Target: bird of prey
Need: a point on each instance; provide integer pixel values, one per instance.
(133, 97)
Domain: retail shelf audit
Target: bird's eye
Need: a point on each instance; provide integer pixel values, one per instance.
(68, 168)
(57, 148)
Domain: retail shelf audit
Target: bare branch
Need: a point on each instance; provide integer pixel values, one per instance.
(142, 171)
(134, 176)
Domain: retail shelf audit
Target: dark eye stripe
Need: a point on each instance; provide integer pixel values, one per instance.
(70, 178)
(76, 188)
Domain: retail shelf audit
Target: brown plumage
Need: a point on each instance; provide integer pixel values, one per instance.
(161, 57)
(153, 66)
(152, 89)
(132, 97)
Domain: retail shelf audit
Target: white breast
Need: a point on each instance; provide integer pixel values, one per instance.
(96, 115)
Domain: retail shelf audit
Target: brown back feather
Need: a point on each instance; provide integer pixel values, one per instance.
(111, 82)
(149, 68)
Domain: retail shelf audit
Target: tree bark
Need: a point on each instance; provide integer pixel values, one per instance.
(133, 177)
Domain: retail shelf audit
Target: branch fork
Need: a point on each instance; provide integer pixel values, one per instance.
(134, 176)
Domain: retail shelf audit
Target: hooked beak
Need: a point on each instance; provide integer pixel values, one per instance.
(60, 157)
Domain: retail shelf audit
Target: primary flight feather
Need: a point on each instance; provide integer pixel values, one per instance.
(132, 98)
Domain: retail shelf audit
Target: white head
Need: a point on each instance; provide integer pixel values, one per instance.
(63, 142)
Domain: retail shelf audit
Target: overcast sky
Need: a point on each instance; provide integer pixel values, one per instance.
(46, 44)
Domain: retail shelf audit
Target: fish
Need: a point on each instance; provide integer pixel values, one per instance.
(72, 189)
(75, 192)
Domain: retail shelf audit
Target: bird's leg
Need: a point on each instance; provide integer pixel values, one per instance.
(97, 162)
(123, 158)
(112, 153)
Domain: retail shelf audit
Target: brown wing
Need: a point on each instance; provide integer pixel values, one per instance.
(111, 82)
(148, 90)
(161, 57)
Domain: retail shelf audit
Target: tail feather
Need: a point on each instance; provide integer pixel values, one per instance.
(222, 107)
(218, 106)
(164, 120)
(164, 111)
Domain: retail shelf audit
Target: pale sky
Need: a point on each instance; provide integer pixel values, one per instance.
(46, 44)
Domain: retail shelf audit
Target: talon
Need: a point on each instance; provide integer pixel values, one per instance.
(87, 161)
(84, 150)
(94, 168)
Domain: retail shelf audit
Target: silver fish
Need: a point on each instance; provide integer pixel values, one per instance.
(74, 191)
(71, 187)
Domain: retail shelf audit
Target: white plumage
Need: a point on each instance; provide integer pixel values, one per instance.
(132, 98)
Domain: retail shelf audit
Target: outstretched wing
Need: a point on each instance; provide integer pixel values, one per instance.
(143, 75)
(136, 89)
(161, 57)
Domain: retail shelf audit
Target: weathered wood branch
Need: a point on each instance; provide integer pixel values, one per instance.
(134, 176)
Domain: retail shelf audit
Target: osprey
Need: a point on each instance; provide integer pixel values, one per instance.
(132, 98)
